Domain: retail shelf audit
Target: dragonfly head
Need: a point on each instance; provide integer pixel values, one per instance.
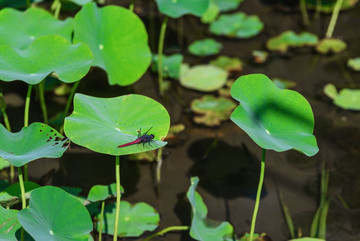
(152, 136)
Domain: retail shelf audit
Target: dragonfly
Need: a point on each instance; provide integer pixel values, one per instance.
(142, 138)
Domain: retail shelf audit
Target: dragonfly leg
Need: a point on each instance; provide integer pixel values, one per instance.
(148, 131)
(139, 133)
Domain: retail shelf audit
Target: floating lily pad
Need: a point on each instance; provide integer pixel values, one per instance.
(289, 39)
(331, 45)
(134, 220)
(227, 63)
(260, 56)
(103, 192)
(170, 65)
(102, 124)
(45, 55)
(327, 6)
(118, 39)
(12, 194)
(354, 64)
(9, 224)
(213, 110)
(178, 8)
(205, 47)
(19, 29)
(348, 99)
(203, 77)
(275, 119)
(33, 142)
(54, 214)
(203, 228)
(283, 84)
(237, 25)
(211, 13)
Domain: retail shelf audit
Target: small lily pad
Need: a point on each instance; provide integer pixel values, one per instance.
(205, 47)
(228, 5)
(354, 64)
(260, 56)
(54, 214)
(289, 39)
(45, 55)
(118, 39)
(237, 25)
(134, 220)
(327, 6)
(275, 119)
(12, 194)
(348, 99)
(170, 65)
(9, 224)
(19, 29)
(213, 110)
(211, 13)
(103, 192)
(203, 77)
(102, 124)
(330, 45)
(178, 8)
(227, 63)
(203, 228)
(33, 142)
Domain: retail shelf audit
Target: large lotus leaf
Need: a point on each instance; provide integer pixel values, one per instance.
(19, 29)
(237, 25)
(134, 220)
(55, 215)
(227, 63)
(103, 192)
(12, 194)
(102, 124)
(327, 6)
(228, 5)
(33, 142)
(80, 2)
(118, 39)
(211, 13)
(354, 63)
(329, 45)
(202, 228)
(170, 65)
(9, 224)
(213, 110)
(178, 8)
(348, 99)
(289, 39)
(205, 47)
(45, 55)
(203, 77)
(275, 119)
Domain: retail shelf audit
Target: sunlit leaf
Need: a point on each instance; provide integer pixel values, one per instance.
(354, 63)
(289, 39)
(331, 45)
(348, 99)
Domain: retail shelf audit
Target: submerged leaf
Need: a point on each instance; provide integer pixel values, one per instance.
(227, 63)
(329, 45)
(289, 39)
(205, 47)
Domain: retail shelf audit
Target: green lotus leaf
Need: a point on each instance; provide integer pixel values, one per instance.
(80, 2)
(45, 55)
(289, 39)
(228, 5)
(134, 220)
(329, 45)
(203, 228)
(118, 39)
(275, 119)
(260, 56)
(19, 29)
(237, 25)
(227, 63)
(54, 215)
(203, 77)
(102, 124)
(211, 13)
(33, 142)
(330, 91)
(9, 224)
(4, 163)
(348, 99)
(103, 192)
(12, 194)
(3, 185)
(170, 65)
(205, 47)
(283, 83)
(178, 8)
(213, 110)
(327, 6)
(354, 63)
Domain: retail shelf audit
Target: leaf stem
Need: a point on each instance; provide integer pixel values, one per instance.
(42, 101)
(258, 194)
(160, 54)
(69, 101)
(27, 106)
(23, 199)
(118, 196)
(131, 6)
(158, 165)
(56, 6)
(334, 17)
(165, 230)
(304, 13)
(101, 219)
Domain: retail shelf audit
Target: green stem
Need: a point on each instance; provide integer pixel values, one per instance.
(118, 196)
(23, 199)
(165, 230)
(8, 127)
(304, 13)
(56, 6)
(160, 54)
(69, 101)
(131, 7)
(158, 166)
(258, 194)
(27, 106)
(42, 102)
(101, 219)
(334, 18)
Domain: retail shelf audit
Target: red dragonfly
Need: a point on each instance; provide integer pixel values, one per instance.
(145, 138)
